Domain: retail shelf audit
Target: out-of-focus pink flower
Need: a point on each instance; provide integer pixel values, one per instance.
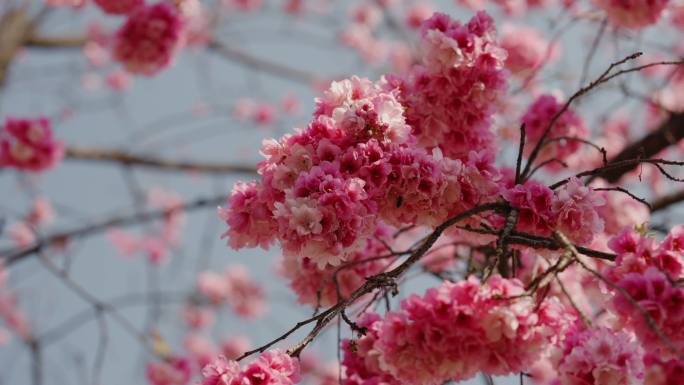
(367, 14)
(234, 347)
(264, 114)
(41, 214)
(146, 43)
(197, 317)
(293, 7)
(527, 49)
(200, 349)
(246, 5)
(244, 109)
(119, 7)
(21, 234)
(28, 144)
(212, 285)
(245, 296)
(174, 371)
(417, 14)
(632, 13)
(118, 80)
(126, 243)
(290, 104)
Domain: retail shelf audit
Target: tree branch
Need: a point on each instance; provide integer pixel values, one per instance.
(669, 133)
(11, 256)
(114, 156)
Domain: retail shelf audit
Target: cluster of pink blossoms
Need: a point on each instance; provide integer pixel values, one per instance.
(119, 7)
(453, 332)
(600, 356)
(637, 252)
(571, 209)
(272, 367)
(28, 144)
(632, 13)
(452, 96)
(645, 270)
(569, 125)
(236, 288)
(652, 293)
(148, 40)
(325, 189)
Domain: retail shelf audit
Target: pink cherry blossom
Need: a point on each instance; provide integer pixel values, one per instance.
(146, 43)
(28, 144)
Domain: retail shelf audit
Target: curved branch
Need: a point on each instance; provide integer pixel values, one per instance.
(114, 156)
(11, 256)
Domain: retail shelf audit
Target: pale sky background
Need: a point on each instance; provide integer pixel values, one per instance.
(49, 82)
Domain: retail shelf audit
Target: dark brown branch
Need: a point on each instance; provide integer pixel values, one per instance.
(669, 133)
(114, 156)
(667, 201)
(600, 171)
(42, 41)
(605, 76)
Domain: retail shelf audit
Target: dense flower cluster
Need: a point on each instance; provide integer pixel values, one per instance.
(455, 331)
(147, 41)
(28, 144)
(325, 189)
(272, 367)
(600, 356)
(637, 252)
(648, 302)
(119, 7)
(571, 209)
(568, 125)
(452, 96)
(632, 13)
